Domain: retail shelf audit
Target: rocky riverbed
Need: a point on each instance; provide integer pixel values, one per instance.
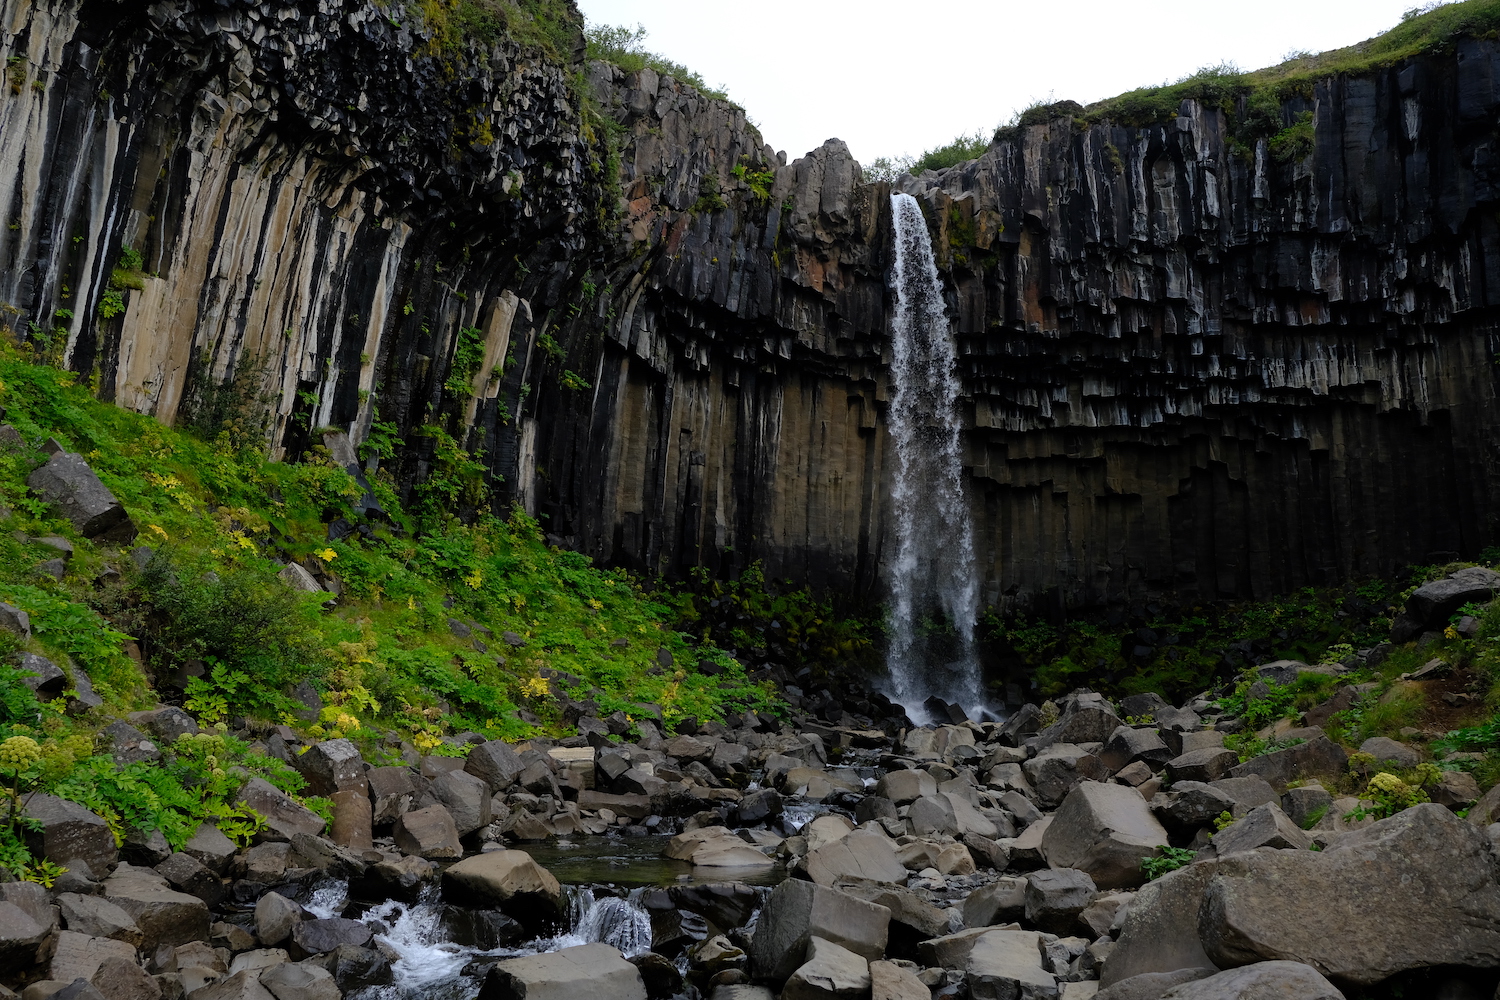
(755, 859)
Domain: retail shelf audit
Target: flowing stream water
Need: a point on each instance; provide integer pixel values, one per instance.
(933, 575)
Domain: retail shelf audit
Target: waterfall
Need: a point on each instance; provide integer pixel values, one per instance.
(933, 569)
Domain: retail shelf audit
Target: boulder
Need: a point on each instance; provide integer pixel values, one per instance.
(243, 985)
(1160, 933)
(47, 679)
(506, 880)
(1263, 826)
(1059, 767)
(166, 724)
(1007, 964)
(596, 971)
(932, 814)
(495, 763)
(356, 968)
(67, 832)
(1432, 604)
(1126, 746)
(1055, 897)
(74, 492)
(826, 830)
(467, 799)
(1105, 830)
(428, 833)
(1081, 722)
(164, 915)
(24, 938)
(98, 917)
(999, 902)
(1336, 909)
(904, 787)
(1315, 758)
(185, 873)
(332, 766)
(1207, 764)
(300, 981)
(1271, 980)
(1455, 790)
(797, 911)
(79, 956)
(1247, 792)
(715, 847)
(120, 978)
(211, 848)
(317, 937)
(755, 808)
(1190, 805)
(831, 972)
(1152, 985)
(275, 916)
(1186, 742)
(863, 854)
(284, 815)
(639, 806)
(353, 819)
(889, 981)
(1306, 805)
(1389, 751)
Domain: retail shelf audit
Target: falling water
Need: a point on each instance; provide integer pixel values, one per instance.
(934, 568)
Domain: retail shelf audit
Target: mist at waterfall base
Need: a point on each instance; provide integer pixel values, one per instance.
(934, 582)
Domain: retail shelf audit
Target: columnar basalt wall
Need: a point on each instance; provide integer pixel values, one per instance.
(1193, 370)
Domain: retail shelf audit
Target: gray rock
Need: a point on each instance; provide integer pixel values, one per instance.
(353, 825)
(297, 577)
(1055, 897)
(1313, 759)
(1259, 906)
(96, 916)
(356, 968)
(862, 854)
(1181, 742)
(392, 791)
(1207, 764)
(1081, 722)
(166, 724)
(1432, 604)
(1006, 964)
(1126, 745)
(1059, 767)
(428, 833)
(240, 986)
(184, 872)
(24, 939)
(1160, 933)
(300, 981)
(46, 678)
(596, 971)
(830, 972)
(1388, 751)
(275, 916)
(128, 745)
(1190, 805)
(68, 831)
(164, 915)
(15, 621)
(467, 799)
(932, 814)
(318, 936)
(999, 902)
(1306, 805)
(1105, 830)
(1263, 826)
(494, 763)
(284, 815)
(1271, 980)
(259, 958)
(120, 978)
(403, 879)
(332, 766)
(798, 911)
(506, 880)
(889, 981)
(78, 956)
(75, 493)
(905, 786)
(1247, 792)
(1151, 985)
(77, 990)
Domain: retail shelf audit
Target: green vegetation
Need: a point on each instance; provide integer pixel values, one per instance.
(549, 25)
(962, 149)
(626, 48)
(1170, 859)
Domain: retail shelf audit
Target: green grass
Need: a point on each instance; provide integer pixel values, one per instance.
(625, 47)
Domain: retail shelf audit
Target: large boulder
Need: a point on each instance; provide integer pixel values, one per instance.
(999, 902)
(187, 874)
(831, 972)
(211, 848)
(300, 981)
(62, 830)
(863, 854)
(25, 938)
(392, 791)
(120, 978)
(1151, 985)
(1268, 980)
(164, 915)
(275, 916)
(467, 799)
(903, 787)
(1105, 830)
(74, 492)
(1341, 911)
(1160, 933)
(283, 814)
(318, 937)
(595, 971)
(715, 847)
(889, 981)
(98, 917)
(1127, 745)
(1006, 965)
(1207, 764)
(1190, 805)
(1059, 767)
(1431, 604)
(506, 880)
(1089, 721)
(79, 956)
(428, 833)
(1263, 826)
(332, 766)
(1056, 896)
(798, 911)
(495, 763)
(1315, 758)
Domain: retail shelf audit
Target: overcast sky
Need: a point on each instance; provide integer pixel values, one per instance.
(892, 78)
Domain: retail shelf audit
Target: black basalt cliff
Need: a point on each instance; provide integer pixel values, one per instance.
(1193, 369)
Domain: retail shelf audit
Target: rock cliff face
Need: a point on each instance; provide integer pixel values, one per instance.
(1193, 370)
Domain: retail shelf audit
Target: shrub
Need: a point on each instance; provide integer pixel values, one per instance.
(626, 48)
(1170, 859)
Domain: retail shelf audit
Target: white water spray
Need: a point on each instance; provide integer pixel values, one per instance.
(934, 567)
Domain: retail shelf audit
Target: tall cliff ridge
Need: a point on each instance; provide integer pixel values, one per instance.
(1194, 368)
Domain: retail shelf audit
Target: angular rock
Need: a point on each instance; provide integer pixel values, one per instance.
(1091, 722)
(322, 935)
(756, 807)
(428, 833)
(356, 968)
(96, 916)
(1055, 898)
(211, 848)
(933, 814)
(75, 493)
(596, 971)
(1059, 767)
(24, 939)
(639, 806)
(999, 902)
(506, 880)
(275, 916)
(1258, 905)
(43, 676)
(1272, 980)
(79, 956)
(467, 799)
(862, 854)
(1432, 604)
(1248, 792)
(164, 915)
(1388, 751)
(1306, 805)
(1316, 758)
(1207, 764)
(1160, 933)
(284, 815)
(495, 763)
(332, 766)
(392, 791)
(300, 981)
(889, 981)
(243, 985)
(1190, 805)
(185, 873)
(353, 815)
(1263, 826)
(1006, 964)
(1105, 830)
(67, 832)
(120, 978)
(403, 880)
(905, 786)
(1126, 746)
(798, 911)
(831, 972)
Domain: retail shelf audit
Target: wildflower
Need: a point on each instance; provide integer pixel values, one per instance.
(326, 554)
(19, 752)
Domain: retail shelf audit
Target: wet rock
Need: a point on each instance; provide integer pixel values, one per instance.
(831, 972)
(659, 975)
(1258, 905)
(506, 880)
(67, 831)
(597, 971)
(74, 492)
(1105, 830)
(164, 915)
(639, 806)
(403, 880)
(284, 816)
(428, 833)
(356, 968)
(798, 911)
(715, 847)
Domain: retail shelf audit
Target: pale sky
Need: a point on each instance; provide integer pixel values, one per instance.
(892, 78)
